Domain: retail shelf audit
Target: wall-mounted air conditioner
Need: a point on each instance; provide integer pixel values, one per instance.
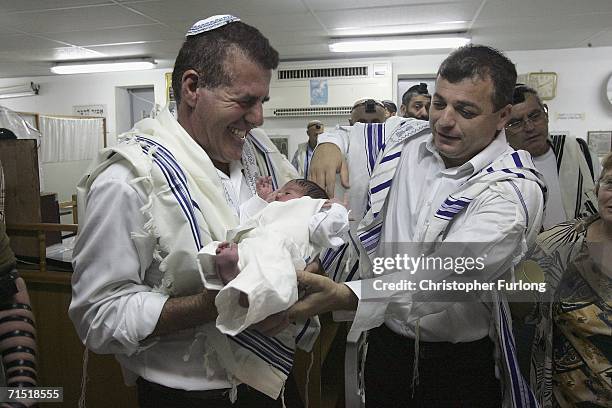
(326, 88)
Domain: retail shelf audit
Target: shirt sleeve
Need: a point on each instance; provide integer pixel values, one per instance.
(113, 303)
(338, 136)
(498, 227)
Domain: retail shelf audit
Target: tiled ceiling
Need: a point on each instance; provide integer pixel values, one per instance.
(36, 33)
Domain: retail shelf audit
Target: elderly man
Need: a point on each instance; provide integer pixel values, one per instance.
(416, 102)
(367, 111)
(151, 202)
(303, 154)
(456, 182)
(568, 166)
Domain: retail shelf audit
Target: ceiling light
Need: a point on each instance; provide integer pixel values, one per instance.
(383, 44)
(84, 67)
(17, 91)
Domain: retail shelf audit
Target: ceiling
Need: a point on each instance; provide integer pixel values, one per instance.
(36, 33)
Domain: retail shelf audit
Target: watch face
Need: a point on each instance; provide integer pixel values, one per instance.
(545, 83)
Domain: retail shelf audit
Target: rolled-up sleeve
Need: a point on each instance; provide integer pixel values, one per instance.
(114, 306)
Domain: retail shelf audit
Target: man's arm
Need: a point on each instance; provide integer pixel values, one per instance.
(114, 306)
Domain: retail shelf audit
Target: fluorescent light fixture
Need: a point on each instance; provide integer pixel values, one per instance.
(17, 91)
(85, 67)
(383, 44)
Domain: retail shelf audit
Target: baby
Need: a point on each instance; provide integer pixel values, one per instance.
(254, 270)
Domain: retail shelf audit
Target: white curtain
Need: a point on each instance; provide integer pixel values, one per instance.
(68, 139)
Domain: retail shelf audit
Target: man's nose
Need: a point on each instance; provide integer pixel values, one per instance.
(255, 114)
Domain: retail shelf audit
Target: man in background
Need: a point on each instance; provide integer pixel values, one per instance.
(568, 166)
(390, 108)
(303, 154)
(367, 111)
(416, 102)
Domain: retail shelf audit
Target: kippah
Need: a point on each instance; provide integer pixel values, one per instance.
(211, 23)
(314, 122)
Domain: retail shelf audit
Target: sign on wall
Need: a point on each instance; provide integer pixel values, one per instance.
(89, 110)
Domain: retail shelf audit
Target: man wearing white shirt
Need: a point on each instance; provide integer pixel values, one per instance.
(458, 182)
(151, 202)
(303, 154)
(568, 166)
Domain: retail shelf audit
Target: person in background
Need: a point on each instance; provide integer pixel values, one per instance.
(572, 359)
(390, 108)
(303, 154)
(17, 328)
(569, 167)
(151, 202)
(367, 111)
(416, 102)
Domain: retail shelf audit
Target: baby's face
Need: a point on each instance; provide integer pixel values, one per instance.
(288, 192)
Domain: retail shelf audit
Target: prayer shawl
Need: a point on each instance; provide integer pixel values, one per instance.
(301, 160)
(186, 209)
(576, 176)
(358, 263)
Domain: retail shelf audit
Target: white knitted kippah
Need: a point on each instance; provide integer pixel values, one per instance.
(211, 23)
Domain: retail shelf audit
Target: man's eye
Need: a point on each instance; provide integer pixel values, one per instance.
(439, 105)
(467, 114)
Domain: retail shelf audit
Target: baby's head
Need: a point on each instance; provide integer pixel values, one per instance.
(299, 188)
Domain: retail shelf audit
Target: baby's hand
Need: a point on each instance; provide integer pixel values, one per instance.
(264, 187)
(331, 201)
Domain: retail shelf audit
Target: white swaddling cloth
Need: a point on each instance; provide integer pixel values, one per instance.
(272, 245)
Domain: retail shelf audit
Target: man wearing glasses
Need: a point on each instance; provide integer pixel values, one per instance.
(569, 168)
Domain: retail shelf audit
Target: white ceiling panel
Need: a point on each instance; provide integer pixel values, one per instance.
(322, 5)
(87, 18)
(399, 15)
(148, 33)
(33, 33)
(12, 6)
(510, 9)
(195, 10)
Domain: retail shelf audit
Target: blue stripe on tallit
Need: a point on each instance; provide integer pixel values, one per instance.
(177, 181)
(269, 164)
(521, 393)
(522, 200)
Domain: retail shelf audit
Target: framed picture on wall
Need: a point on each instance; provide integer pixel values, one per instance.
(282, 144)
(600, 141)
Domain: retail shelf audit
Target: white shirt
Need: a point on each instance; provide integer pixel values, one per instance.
(420, 185)
(554, 212)
(121, 295)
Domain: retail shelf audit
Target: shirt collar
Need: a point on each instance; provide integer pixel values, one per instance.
(497, 147)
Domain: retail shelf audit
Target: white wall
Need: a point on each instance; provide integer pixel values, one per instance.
(582, 76)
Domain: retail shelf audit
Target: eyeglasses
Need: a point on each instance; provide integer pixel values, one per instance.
(517, 125)
(606, 184)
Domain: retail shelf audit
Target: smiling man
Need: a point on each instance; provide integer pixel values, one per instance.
(151, 202)
(454, 181)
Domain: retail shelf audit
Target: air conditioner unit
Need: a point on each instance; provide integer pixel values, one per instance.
(326, 88)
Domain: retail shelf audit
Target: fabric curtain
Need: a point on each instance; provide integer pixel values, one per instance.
(69, 139)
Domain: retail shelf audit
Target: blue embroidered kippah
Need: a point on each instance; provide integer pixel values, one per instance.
(211, 23)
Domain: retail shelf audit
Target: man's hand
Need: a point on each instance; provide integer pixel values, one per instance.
(322, 295)
(326, 161)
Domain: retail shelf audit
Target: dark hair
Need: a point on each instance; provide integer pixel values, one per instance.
(520, 95)
(7, 134)
(480, 61)
(207, 52)
(420, 89)
(390, 106)
(310, 188)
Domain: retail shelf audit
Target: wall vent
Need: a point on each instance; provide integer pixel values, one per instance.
(333, 72)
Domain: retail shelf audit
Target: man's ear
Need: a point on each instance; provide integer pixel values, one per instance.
(189, 87)
(403, 110)
(504, 116)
